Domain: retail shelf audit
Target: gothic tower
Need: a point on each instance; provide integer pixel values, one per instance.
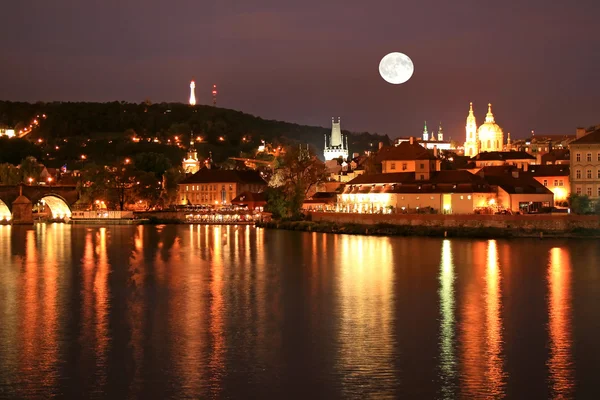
(335, 147)
(425, 133)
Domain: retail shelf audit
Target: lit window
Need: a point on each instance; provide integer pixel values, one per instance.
(578, 174)
(469, 197)
(462, 197)
(431, 197)
(589, 157)
(187, 188)
(578, 157)
(418, 197)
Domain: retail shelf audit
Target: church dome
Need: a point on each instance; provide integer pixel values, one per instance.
(490, 134)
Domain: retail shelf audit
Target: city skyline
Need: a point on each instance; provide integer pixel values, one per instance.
(304, 63)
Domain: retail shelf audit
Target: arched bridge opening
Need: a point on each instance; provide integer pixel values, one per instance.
(57, 207)
(5, 213)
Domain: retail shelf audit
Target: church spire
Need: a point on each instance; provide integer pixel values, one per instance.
(440, 133)
(489, 117)
(425, 133)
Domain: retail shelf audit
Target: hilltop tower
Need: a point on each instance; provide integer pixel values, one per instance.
(335, 146)
(214, 95)
(192, 93)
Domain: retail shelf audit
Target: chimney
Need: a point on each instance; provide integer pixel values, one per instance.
(412, 140)
(515, 173)
(435, 151)
(538, 159)
(580, 133)
(380, 145)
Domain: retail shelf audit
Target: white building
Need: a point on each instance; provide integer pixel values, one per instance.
(7, 132)
(336, 145)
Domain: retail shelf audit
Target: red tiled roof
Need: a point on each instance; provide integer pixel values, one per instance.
(404, 151)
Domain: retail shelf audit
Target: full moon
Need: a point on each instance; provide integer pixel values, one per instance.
(396, 68)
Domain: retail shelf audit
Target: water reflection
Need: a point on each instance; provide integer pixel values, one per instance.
(447, 323)
(560, 363)
(482, 358)
(367, 312)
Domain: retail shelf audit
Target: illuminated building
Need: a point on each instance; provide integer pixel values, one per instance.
(429, 140)
(488, 137)
(336, 144)
(7, 132)
(519, 159)
(209, 187)
(585, 163)
(555, 178)
(449, 192)
(192, 93)
(191, 164)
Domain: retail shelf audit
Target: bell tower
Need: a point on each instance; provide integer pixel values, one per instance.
(472, 141)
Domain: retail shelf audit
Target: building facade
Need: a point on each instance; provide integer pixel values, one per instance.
(191, 164)
(336, 143)
(211, 187)
(585, 164)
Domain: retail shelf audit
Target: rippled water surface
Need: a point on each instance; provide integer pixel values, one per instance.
(237, 312)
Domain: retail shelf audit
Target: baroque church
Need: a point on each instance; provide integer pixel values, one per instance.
(488, 137)
(336, 143)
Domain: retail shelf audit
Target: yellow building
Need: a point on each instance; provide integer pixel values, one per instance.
(554, 177)
(210, 187)
(488, 137)
(518, 159)
(585, 163)
(408, 157)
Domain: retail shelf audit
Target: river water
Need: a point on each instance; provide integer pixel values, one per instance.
(184, 311)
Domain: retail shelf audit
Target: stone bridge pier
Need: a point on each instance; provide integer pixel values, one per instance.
(16, 201)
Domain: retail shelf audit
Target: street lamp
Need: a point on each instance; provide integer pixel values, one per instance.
(49, 180)
(30, 180)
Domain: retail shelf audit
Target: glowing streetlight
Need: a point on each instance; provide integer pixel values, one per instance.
(83, 157)
(49, 180)
(127, 161)
(30, 180)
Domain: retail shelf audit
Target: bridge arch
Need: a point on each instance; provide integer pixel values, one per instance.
(59, 207)
(5, 213)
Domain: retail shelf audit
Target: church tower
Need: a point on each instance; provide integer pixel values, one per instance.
(425, 133)
(440, 133)
(335, 146)
(191, 165)
(472, 141)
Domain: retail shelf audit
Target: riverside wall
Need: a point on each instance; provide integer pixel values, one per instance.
(537, 223)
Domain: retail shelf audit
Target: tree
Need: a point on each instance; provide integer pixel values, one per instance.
(10, 175)
(597, 207)
(171, 179)
(152, 162)
(30, 169)
(580, 204)
(299, 174)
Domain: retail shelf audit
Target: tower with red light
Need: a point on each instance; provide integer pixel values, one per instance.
(214, 95)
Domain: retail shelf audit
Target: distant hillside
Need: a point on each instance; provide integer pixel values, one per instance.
(240, 132)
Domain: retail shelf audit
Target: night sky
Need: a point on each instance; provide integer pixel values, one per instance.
(536, 61)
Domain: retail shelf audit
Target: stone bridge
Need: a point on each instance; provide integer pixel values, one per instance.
(16, 201)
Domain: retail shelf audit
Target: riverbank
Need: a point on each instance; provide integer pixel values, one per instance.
(386, 229)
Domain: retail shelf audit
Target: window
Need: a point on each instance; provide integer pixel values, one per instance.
(422, 166)
(560, 183)
(418, 197)
(578, 190)
(462, 197)
(578, 174)
(469, 197)
(589, 174)
(545, 182)
(578, 157)
(431, 197)
(556, 182)
(422, 177)
(393, 165)
(598, 156)
(187, 188)
(599, 191)
(589, 192)
(599, 174)
(589, 157)
(404, 166)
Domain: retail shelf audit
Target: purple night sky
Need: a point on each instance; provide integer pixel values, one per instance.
(304, 61)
